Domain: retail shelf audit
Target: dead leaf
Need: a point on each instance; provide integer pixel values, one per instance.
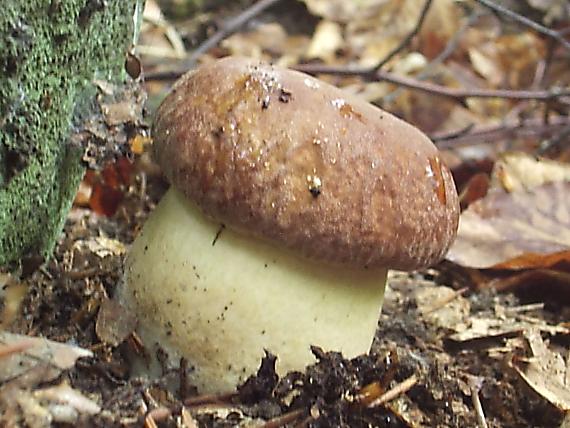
(504, 226)
(560, 260)
(104, 190)
(503, 323)
(102, 246)
(516, 171)
(326, 40)
(488, 327)
(105, 199)
(114, 324)
(36, 351)
(554, 9)
(546, 371)
(507, 59)
(486, 65)
(65, 403)
(341, 10)
(553, 283)
(268, 41)
(442, 306)
(376, 27)
(120, 112)
(12, 294)
(475, 189)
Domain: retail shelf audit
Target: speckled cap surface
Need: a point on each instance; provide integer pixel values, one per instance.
(288, 158)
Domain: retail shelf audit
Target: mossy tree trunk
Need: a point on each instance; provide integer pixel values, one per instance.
(50, 53)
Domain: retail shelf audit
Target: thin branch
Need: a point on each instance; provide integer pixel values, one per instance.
(535, 128)
(523, 20)
(435, 89)
(398, 390)
(406, 41)
(410, 83)
(209, 399)
(227, 29)
(475, 386)
(284, 419)
(442, 57)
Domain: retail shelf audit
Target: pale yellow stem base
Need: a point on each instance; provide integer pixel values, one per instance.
(220, 305)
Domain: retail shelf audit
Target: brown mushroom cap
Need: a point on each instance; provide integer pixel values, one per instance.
(286, 157)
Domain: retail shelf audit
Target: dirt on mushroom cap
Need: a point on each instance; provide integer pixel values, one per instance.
(286, 157)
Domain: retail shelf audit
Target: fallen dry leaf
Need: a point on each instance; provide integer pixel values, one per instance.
(554, 9)
(114, 324)
(43, 407)
(504, 226)
(523, 221)
(516, 171)
(508, 59)
(489, 327)
(546, 371)
(502, 323)
(326, 40)
(270, 42)
(65, 403)
(36, 351)
(442, 306)
(12, 294)
(553, 284)
(101, 246)
(475, 189)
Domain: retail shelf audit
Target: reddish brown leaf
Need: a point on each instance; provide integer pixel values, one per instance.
(504, 226)
(560, 261)
(118, 173)
(105, 199)
(475, 189)
(103, 191)
(542, 283)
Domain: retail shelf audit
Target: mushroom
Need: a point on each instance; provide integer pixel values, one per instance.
(290, 199)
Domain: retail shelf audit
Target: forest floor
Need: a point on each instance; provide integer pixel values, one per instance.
(482, 339)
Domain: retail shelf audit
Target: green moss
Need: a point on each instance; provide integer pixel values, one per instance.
(50, 52)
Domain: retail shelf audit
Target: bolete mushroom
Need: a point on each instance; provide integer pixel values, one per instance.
(290, 199)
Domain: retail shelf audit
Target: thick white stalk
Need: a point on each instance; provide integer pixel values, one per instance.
(219, 298)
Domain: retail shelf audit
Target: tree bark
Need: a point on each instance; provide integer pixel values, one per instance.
(51, 51)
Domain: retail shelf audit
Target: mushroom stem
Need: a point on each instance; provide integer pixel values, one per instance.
(220, 299)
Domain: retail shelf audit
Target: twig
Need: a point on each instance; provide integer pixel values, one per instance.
(435, 89)
(475, 385)
(81, 274)
(304, 423)
(399, 389)
(183, 374)
(149, 422)
(525, 308)
(209, 399)
(227, 29)
(536, 128)
(406, 41)
(284, 419)
(159, 414)
(407, 82)
(440, 59)
(523, 20)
